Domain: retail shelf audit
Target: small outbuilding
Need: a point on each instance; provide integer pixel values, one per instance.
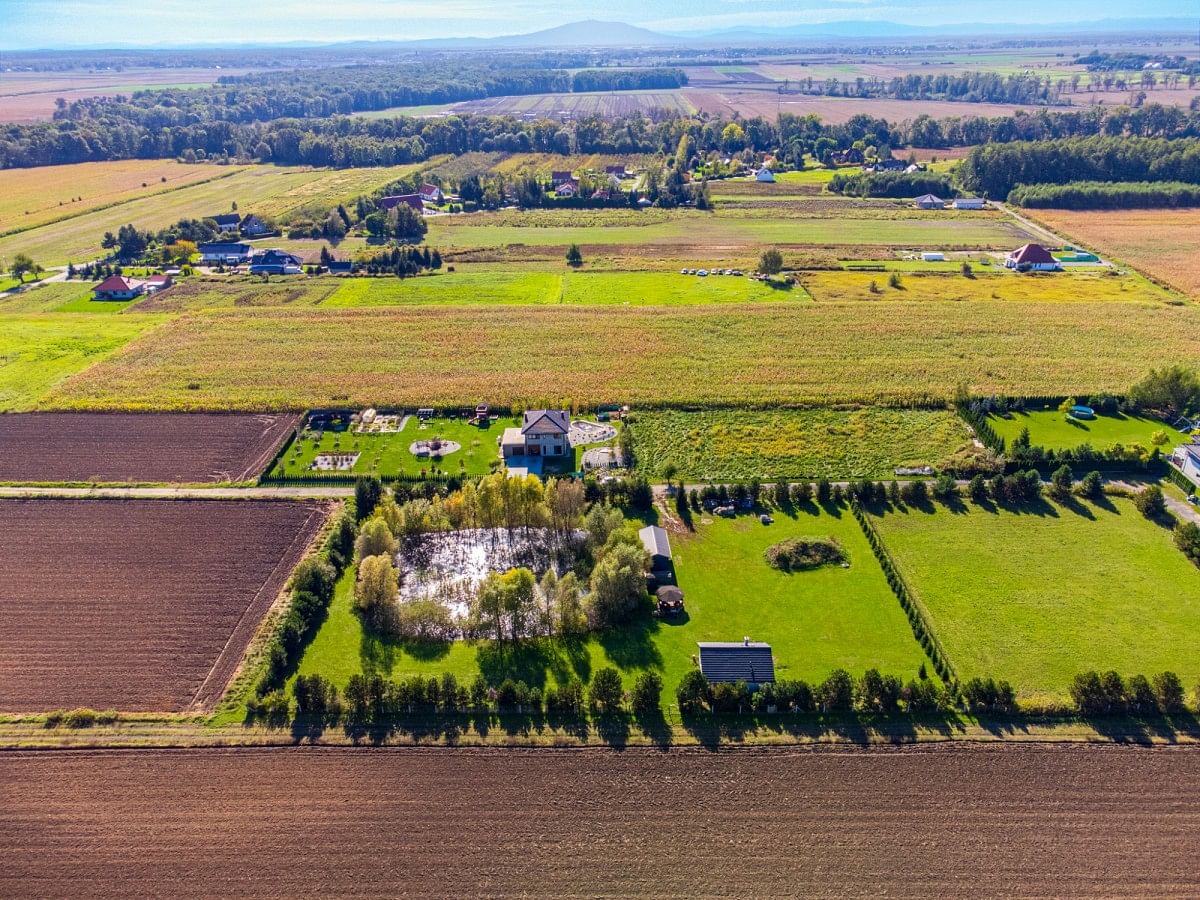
(765, 175)
(657, 544)
(967, 203)
(747, 660)
(668, 600)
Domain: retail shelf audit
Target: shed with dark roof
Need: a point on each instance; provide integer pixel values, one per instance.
(745, 660)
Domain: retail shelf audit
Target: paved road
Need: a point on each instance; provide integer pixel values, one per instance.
(1183, 510)
(183, 493)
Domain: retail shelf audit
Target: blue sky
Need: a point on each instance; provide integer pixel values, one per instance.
(50, 23)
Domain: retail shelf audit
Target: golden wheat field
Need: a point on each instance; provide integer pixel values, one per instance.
(816, 353)
(1163, 243)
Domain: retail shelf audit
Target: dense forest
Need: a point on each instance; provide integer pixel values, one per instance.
(1106, 195)
(995, 169)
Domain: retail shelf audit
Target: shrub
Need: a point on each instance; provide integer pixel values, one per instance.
(692, 692)
(1150, 502)
(977, 489)
(1060, 483)
(836, 693)
(80, 718)
(797, 554)
(606, 691)
(1168, 692)
(645, 698)
(1092, 486)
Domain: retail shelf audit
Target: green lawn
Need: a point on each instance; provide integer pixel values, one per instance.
(1038, 595)
(388, 454)
(1050, 429)
(37, 351)
(815, 621)
(809, 443)
(584, 288)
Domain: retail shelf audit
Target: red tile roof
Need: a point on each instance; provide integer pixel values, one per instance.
(1031, 254)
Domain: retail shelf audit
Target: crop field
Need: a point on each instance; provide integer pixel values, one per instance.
(735, 445)
(1091, 286)
(142, 605)
(31, 197)
(766, 101)
(1050, 429)
(582, 288)
(608, 104)
(693, 232)
(1160, 242)
(639, 822)
(239, 291)
(37, 352)
(1037, 595)
(818, 353)
(30, 96)
(267, 190)
(388, 454)
(815, 621)
(144, 448)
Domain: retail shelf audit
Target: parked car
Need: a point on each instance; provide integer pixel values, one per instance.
(703, 273)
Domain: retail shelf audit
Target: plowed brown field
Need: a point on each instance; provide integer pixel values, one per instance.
(152, 447)
(137, 605)
(955, 820)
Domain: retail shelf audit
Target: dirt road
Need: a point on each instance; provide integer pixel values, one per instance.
(963, 820)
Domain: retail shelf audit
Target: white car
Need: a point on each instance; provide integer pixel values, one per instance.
(703, 273)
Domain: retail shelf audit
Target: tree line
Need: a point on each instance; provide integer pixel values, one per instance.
(1106, 195)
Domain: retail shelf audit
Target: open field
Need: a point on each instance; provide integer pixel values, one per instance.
(30, 197)
(766, 353)
(1160, 242)
(1096, 821)
(815, 621)
(388, 454)
(766, 101)
(30, 96)
(691, 233)
(267, 190)
(60, 297)
(140, 605)
(608, 104)
(1042, 593)
(42, 447)
(988, 283)
(736, 445)
(36, 352)
(1050, 429)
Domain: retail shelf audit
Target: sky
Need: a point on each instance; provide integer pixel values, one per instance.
(62, 23)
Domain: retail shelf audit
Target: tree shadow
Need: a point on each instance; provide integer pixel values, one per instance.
(377, 652)
(632, 646)
(1071, 504)
(526, 661)
(654, 726)
(613, 729)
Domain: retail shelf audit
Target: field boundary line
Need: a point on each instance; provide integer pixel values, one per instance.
(288, 560)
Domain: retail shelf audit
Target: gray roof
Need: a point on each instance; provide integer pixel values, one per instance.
(546, 421)
(227, 219)
(654, 539)
(749, 661)
(218, 247)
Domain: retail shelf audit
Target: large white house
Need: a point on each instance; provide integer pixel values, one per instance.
(544, 433)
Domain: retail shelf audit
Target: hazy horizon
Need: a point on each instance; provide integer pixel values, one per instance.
(55, 24)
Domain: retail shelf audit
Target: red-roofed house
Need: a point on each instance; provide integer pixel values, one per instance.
(413, 200)
(117, 287)
(431, 193)
(1032, 257)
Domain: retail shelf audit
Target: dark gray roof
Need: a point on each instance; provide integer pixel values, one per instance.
(654, 539)
(224, 248)
(737, 661)
(546, 421)
(227, 219)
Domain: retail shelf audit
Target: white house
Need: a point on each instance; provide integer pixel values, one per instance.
(933, 256)
(224, 253)
(117, 287)
(543, 433)
(968, 203)
(765, 175)
(929, 201)
(566, 189)
(1032, 257)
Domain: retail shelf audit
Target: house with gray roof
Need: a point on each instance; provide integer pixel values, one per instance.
(730, 661)
(544, 434)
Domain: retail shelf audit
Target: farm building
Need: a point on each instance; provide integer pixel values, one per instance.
(413, 200)
(275, 262)
(116, 287)
(431, 193)
(968, 203)
(229, 254)
(748, 661)
(340, 266)
(933, 256)
(1031, 257)
(558, 176)
(618, 170)
(227, 223)
(543, 434)
(765, 175)
(929, 201)
(657, 544)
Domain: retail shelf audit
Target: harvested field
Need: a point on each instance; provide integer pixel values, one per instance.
(138, 605)
(732, 353)
(969, 820)
(607, 104)
(766, 101)
(122, 447)
(1160, 242)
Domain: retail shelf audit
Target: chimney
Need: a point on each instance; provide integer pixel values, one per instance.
(745, 641)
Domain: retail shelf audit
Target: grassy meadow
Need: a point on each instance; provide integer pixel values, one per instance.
(816, 621)
(1050, 429)
(804, 353)
(1038, 594)
(732, 445)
